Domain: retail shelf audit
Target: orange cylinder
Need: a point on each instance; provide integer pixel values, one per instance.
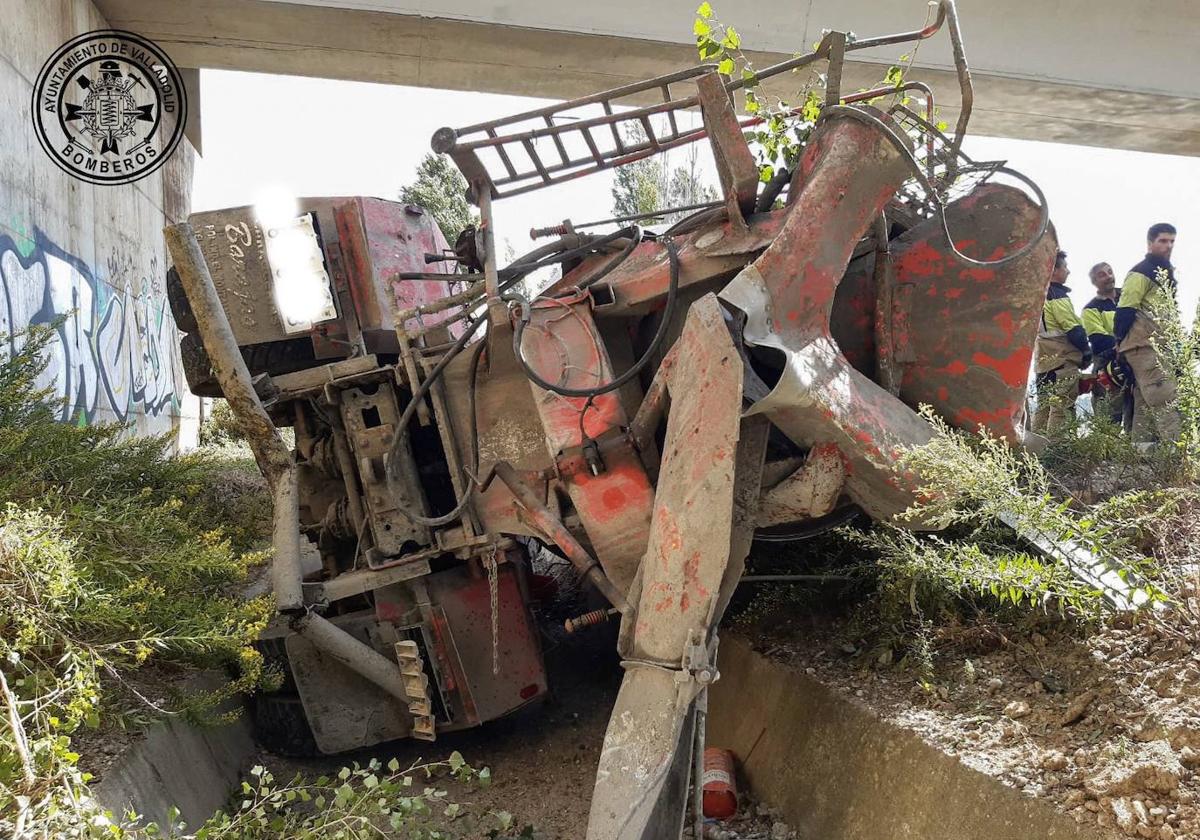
(720, 784)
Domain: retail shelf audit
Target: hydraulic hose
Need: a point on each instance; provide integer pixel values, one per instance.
(511, 274)
(655, 343)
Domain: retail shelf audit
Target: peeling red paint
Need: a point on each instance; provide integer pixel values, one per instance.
(1004, 321)
(922, 260)
(613, 498)
(1013, 369)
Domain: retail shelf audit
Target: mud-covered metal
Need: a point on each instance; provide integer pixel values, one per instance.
(808, 493)
(964, 334)
(381, 239)
(613, 497)
(850, 172)
(697, 534)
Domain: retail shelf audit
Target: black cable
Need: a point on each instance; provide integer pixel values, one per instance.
(932, 194)
(689, 223)
(772, 190)
(655, 343)
(511, 274)
(635, 239)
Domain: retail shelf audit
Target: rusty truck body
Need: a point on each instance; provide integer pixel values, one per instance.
(757, 367)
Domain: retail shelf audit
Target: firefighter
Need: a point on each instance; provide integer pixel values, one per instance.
(1062, 350)
(1111, 393)
(1149, 286)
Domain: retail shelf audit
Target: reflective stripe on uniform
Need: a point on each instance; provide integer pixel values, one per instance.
(1058, 317)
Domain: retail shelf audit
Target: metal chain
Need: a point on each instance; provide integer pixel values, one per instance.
(491, 564)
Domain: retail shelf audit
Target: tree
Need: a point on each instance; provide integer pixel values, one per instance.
(442, 190)
(649, 185)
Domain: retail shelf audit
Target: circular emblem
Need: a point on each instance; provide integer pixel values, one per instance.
(109, 107)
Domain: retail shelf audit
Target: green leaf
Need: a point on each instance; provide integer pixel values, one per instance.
(708, 48)
(393, 766)
(704, 10)
(732, 40)
(942, 125)
(485, 777)
(456, 760)
(725, 68)
(700, 27)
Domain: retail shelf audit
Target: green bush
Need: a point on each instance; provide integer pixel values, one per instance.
(978, 567)
(220, 427)
(113, 554)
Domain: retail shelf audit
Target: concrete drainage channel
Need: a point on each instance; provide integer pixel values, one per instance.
(178, 764)
(835, 771)
(832, 769)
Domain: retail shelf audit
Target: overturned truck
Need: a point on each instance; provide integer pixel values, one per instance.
(755, 367)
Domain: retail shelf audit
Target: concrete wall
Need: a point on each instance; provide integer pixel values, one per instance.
(93, 254)
(836, 771)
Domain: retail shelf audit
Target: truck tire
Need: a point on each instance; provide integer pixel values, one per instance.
(275, 658)
(181, 309)
(197, 367)
(281, 727)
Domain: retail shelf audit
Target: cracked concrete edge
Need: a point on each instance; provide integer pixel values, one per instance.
(178, 764)
(836, 771)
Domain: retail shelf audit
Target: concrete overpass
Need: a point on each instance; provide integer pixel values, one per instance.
(1113, 73)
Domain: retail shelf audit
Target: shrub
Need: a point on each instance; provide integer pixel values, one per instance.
(113, 554)
(221, 426)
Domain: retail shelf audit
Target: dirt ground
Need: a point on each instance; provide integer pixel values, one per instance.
(542, 758)
(1104, 725)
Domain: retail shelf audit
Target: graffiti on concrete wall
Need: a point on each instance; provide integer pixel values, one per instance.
(114, 354)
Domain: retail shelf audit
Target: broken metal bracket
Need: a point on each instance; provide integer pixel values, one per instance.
(1118, 585)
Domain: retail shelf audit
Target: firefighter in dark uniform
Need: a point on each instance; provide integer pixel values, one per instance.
(1062, 350)
(1112, 394)
(1148, 290)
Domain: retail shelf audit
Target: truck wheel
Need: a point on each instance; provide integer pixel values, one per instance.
(197, 367)
(275, 658)
(281, 727)
(181, 309)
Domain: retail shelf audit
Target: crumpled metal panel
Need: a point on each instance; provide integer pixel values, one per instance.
(694, 536)
(787, 295)
(563, 346)
(809, 492)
